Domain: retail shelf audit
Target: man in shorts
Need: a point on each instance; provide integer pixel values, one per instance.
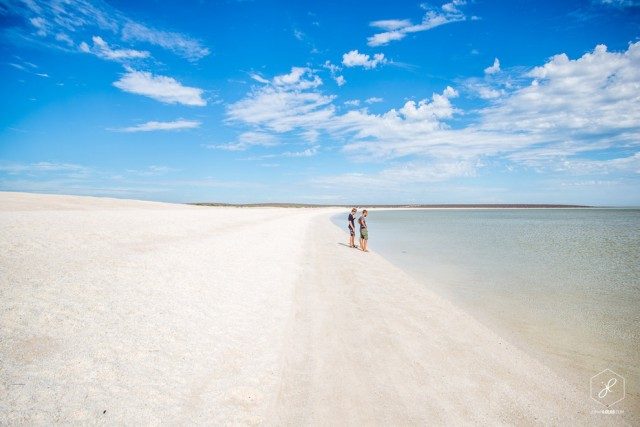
(364, 231)
(352, 228)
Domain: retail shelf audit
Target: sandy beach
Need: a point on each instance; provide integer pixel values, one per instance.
(117, 311)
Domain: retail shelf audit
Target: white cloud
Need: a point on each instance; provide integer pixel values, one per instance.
(57, 19)
(397, 29)
(308, 152)
(357, 59)
(484, 90)
(161, 88)
(284, 103)
(258, 78)
(391, 24)
(590, 166)
(155, 126)
(382, 39)
(452, 7)
(300, 78)
(331, 67)
(597, 94)
(153, 170)
(101, 49)
(560, 111)
(43, 167)
(247, 140)
(352, 102)
(282, 110)
(620, 3)
(41, 26)
(311, 135)
(373, 100)
(404, 173)
(495, 68)
(180, 44)
(334, 69)
(62, 37)
(30, 68)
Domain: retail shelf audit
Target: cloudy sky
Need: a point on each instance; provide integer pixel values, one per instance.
(345, 102)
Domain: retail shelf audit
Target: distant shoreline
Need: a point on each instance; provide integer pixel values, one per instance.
(434, 206)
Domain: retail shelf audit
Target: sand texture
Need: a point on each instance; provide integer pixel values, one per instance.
(116, 311)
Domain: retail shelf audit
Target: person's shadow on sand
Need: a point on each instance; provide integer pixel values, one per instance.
(345, 245)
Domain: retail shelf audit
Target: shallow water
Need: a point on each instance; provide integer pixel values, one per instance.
(564, 284)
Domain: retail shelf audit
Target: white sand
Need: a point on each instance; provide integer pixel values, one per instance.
(180, 314)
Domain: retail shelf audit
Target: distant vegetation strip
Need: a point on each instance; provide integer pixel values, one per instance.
(311, 205)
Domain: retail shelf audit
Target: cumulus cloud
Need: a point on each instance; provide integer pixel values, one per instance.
(495, 68)
(164, 126)
(101, 48)
(300, 78)
(486, 92)
(282, 110)
(285, 102)
(596, 94)
(334, 70)
(161, 88)
(561, 110)
(357, 59)
(397, 29)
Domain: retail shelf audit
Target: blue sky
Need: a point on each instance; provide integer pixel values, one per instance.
(323, 102)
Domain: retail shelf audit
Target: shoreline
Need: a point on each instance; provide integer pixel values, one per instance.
(403, 354)
(574, 353)
(153, 311)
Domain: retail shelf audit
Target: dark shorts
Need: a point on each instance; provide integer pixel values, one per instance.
(352, 232)
(364, 234)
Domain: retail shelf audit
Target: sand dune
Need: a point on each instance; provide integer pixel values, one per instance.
(138, 312)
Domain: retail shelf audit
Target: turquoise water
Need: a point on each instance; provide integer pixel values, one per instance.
(563, 284)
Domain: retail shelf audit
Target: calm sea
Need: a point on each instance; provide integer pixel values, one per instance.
(564, 284)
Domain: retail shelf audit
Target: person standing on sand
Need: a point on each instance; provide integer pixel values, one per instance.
(352, 228)
(364, 231)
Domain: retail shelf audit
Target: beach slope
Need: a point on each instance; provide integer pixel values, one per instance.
(137, 312)
(368, 345)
